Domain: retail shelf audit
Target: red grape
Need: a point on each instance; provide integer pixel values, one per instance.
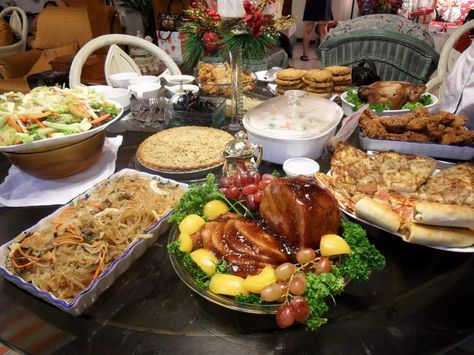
(255, 177)
(224, 182)
(300, 309)
(233, 192)
(258, 196)
(249, 189)
(284, 271)
(305, 255)
(240, 167)
(271, 293)
(298, 285)
(285, 316)
(323, 265)
(251, 202)
(238, 181)
(247, 179)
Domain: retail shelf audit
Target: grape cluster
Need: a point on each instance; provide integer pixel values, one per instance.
(291, 286)
(245, 185)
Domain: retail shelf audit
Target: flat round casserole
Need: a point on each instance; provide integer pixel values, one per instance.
(184, 149)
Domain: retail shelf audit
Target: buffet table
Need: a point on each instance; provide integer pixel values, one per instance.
(420, 303)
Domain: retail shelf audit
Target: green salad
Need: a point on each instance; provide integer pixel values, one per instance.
(353, 98)
(48, 112)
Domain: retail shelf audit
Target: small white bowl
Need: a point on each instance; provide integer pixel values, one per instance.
(144, 79)
(178, 79)
(122, 80)
(120, 95)
(300, 166)
(182, 89)
(145, 90)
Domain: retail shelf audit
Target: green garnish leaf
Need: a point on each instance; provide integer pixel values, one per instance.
(379, 107)
(251, 298)
(195, 198)
(424, 100)
(276, 173)
(353, 97)
(364, 258)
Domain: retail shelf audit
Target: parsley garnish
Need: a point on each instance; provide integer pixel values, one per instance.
(364, 258)
(251, 298)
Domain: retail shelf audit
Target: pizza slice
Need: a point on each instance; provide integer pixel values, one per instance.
(404, 173)
(355, 168)
(454, 185)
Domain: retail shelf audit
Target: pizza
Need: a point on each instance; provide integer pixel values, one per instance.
(405, 194)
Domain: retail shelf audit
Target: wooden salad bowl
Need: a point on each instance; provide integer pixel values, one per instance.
(60, 162)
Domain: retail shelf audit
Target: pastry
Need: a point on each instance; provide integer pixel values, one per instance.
(290, 74)
(184, 149)
(319, 75)
(337, 70)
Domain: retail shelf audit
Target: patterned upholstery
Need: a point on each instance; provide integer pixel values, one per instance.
(383, 22)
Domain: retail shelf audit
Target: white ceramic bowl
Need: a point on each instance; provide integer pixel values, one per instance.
(347, 107)
(182, 89)
(145, 90)
(144, 79)
(120, 95)
(300, 166)
(122, 80)
(178, 79)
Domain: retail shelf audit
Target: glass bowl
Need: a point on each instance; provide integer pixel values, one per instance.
(215, 79)
(210, 296)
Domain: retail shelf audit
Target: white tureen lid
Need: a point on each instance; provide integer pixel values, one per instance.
(294, 115)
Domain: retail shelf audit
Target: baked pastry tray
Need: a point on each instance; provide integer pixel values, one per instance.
(428, 149)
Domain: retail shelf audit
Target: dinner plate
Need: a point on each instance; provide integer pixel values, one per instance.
(57, 142)
(223, 301)
(89, 295)
(352, 215)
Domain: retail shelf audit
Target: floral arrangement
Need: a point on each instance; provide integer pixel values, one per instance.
(245, 26)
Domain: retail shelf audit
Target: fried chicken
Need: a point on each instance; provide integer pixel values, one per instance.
(418, 126)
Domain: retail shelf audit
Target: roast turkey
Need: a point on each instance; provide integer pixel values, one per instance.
(244, 244)
(300, 211)
(398, 93)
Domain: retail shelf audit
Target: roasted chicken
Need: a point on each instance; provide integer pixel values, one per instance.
(398, 93)
(300, 211)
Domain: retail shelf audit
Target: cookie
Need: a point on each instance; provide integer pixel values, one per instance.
(337, 70)
(287, 82)
(318, 85)
(341, 88)
(324, 95)
(318, 91)
(338, 79)
(290, 87)
(290, 74)
(343, 83)
(319, 75)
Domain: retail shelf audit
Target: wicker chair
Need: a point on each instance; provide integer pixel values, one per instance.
(447, 59)
(19, 25)
(117, 60)
(399, 49)
(57, 27)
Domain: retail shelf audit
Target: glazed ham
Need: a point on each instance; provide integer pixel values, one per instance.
(300, 211)
(244, 244)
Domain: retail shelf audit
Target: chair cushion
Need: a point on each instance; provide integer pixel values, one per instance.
(6, 34)
(17, 85)
(42, 64)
